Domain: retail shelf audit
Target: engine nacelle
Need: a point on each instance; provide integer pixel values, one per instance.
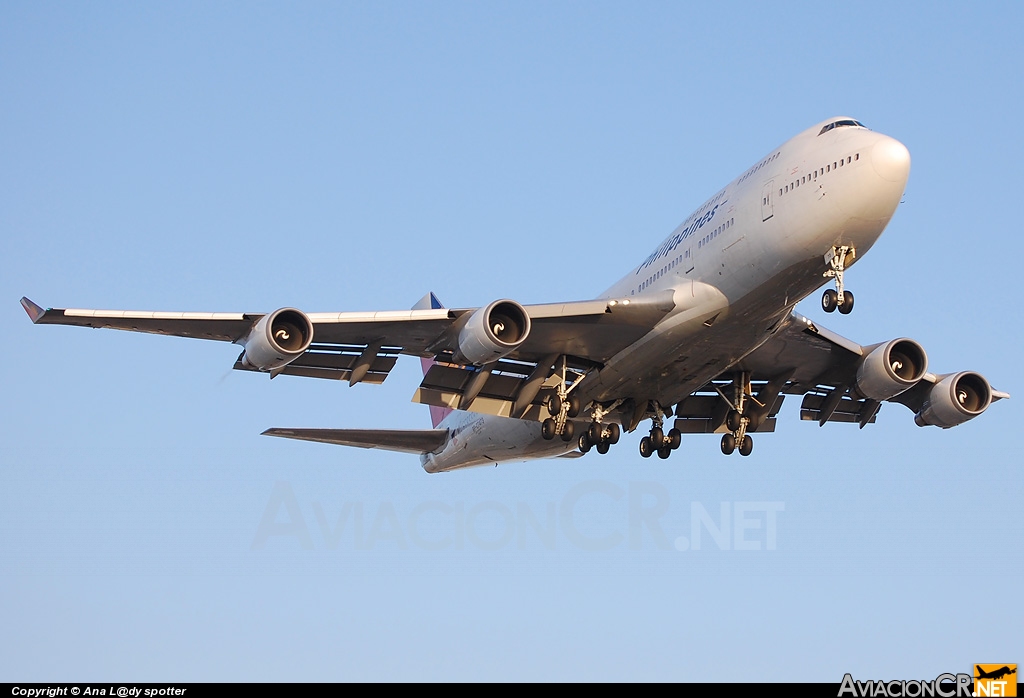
(891, 369)
(955, 399)
(493, 332)
(277, 339)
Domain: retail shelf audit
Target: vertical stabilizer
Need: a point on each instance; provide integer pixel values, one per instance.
(430, 302)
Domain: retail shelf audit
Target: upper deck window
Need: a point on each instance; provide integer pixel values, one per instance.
(837, 124)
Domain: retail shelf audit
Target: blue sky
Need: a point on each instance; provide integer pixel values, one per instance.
(241, 156)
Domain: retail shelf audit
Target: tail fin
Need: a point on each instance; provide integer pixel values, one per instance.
(430, 302)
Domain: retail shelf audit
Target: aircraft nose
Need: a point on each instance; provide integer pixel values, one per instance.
(891, 160)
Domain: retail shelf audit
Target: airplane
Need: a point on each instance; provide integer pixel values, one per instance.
(996, 674)
(703, 330)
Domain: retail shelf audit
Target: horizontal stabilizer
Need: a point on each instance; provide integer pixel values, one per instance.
(403, 440)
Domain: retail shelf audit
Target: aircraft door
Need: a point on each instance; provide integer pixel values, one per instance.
(688, 268)
(767, 206)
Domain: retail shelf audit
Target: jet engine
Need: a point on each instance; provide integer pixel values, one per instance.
(277, 339)
(955, 399)
(493, 332)
(890, 369)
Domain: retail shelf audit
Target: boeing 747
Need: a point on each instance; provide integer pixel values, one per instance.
(701, 332)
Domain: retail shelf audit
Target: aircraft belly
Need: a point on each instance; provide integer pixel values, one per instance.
(684, 353)
(496, 440)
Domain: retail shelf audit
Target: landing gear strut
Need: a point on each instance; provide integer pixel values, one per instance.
(659, 442)
(562, 406)
(737, 421)
(839, 299)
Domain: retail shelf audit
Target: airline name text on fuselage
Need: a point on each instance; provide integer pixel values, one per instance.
(673, 242)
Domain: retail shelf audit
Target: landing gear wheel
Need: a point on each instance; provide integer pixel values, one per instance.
(830, 300)
(657, 437)
(584, 443)
(568, 431)
(554, 405)
(595, 431)
(613, 433)
(732, 420)
(746, 446)
(847, 305)
(574, 406)
(602, 448)
(728, 444)
(646, 448)
(548, 428)
(664, 452)
(675, 438)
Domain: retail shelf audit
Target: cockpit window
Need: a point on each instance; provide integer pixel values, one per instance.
(837, 124)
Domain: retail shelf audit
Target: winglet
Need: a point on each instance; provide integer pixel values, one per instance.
(33, 310)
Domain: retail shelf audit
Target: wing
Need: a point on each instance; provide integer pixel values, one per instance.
(357, 346)
(225, 327)
(802, 358)
(403, 440)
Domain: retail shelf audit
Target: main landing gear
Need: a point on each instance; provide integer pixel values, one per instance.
(561, 411)
(737, 421)
(600, 435)
(839, 299)
(659, 442)
(562, 406)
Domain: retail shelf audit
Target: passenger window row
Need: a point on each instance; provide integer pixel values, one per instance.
(813, 176)
(715, 233)
(646, 283)
(754, 170)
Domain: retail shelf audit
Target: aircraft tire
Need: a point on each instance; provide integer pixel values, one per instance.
(675, 438)
(646, 448)
(613, 433)
(732, 420)
(554, 405)
(847, 305)
(548, 428)
(603, 447)
(657, 437)
(584, 443)
(568, 431)
(746, 446)
(728, 444)
(829, 300)
(664, 452)
(574, 406)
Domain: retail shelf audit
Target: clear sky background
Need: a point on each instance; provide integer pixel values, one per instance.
(329, 156)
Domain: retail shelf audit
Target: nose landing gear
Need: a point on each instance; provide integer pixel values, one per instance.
(839, 299)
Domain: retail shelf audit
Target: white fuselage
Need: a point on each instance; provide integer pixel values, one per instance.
(735, 267)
